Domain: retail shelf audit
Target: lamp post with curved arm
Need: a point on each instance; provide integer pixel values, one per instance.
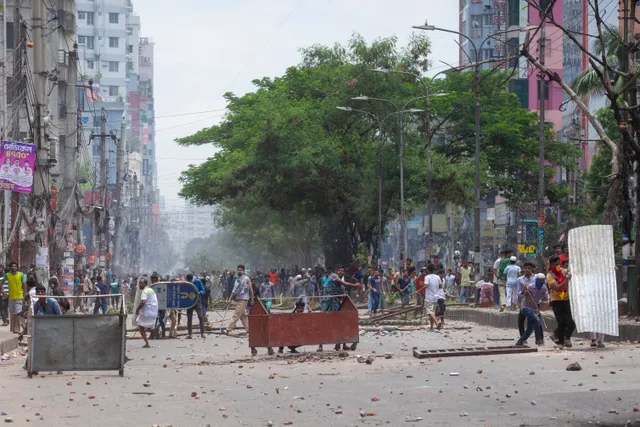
(476, 91)
(380, 122)
(399, 110)
(427, 111)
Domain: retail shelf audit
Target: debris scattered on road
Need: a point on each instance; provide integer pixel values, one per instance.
(575, 366)
(413, 419)
(454, 374)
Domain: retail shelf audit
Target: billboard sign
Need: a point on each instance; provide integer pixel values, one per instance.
(17, 160)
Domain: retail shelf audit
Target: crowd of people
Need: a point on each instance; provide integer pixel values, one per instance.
(508, 286)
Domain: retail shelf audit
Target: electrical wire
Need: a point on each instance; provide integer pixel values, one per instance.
(190, 114)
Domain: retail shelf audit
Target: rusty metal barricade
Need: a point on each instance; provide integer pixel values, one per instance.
(77, 342)
(298, 329)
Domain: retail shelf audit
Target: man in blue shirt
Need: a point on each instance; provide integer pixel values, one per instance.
(197, 308)
(101, 302)
(45, 305)
(375, 289)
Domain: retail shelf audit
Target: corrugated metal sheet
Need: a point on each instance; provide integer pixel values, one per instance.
(592, 290)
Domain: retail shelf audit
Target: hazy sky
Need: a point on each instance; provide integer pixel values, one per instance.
(204, 48)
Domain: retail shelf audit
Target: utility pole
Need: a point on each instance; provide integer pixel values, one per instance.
(541, 99)
(102, 218)
(69, 141)
(41, 176)
(104, 171)
(5, 123)
(17, 89)
(120, 190)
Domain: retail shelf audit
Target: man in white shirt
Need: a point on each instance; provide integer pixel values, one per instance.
(511, 272)
(496, 282)
(433, 284)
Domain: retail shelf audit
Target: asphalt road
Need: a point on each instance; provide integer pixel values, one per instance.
(234, 389)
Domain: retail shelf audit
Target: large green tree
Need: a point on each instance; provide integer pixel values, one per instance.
(290, 169)
(509, 138)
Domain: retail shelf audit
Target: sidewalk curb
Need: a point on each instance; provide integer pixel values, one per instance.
(9, 344)
(509, 320)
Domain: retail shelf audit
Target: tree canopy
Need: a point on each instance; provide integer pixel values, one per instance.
(294, 175)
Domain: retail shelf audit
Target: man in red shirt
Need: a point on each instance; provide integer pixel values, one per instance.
(273, 277)
(420, 288)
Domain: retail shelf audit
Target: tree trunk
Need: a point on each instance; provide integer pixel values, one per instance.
(337, 249)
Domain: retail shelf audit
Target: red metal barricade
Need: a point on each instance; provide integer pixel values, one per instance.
(296, 329)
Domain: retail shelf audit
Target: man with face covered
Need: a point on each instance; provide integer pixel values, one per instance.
(532, 295)
(242, 293)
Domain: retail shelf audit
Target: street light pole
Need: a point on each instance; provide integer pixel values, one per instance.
(476, 90)
(380, 123)
(403, 218)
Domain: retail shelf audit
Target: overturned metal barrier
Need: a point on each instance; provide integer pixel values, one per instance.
(396, 313)
(472, 351)
(298, 329)
(77, 343)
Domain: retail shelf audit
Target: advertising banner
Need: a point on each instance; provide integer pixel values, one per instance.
(17, 161)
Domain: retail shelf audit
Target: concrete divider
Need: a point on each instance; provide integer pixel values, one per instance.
(509, 320)
(8, 341)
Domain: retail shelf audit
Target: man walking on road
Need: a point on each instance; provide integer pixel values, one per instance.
(433, 284)
(147, 310)
(242, 293)
(197, 308)
(533, 295)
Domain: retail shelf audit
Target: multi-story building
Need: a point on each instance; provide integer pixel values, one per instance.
(117, 81)
(480, 20)
(186, 223)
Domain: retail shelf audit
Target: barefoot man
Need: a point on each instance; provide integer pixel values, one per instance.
(147, 311)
